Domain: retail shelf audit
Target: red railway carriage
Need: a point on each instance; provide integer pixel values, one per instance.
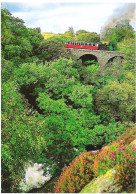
(81, 45)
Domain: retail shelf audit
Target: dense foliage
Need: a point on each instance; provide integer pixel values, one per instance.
(53, 48)
(19, 44)
(119, 32)
(88, 37)
(53, 105)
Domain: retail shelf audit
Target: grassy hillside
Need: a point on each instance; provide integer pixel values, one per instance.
(49, 35)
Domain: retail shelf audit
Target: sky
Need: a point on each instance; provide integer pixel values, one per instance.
(57, 17)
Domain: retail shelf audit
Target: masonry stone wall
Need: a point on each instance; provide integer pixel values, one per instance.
(102, 56)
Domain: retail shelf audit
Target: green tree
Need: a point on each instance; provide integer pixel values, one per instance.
(81, 32)
(70, 32)
(61, 38)
(116, 101)
(26, 48)
(56, 78)
(81, 96)
(18, 42)
(6, 34)
(7, 68)
(89, 37)
(117, 34)
(91, 74)
(12, 51)
(61, 129)
(51, 49)
(38, 29)
(34, 37)
(21, 136)
(128, 47)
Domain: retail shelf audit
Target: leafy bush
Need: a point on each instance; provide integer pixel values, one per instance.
(102, 135)
(77, 175)
(84, 168)
(126, 172)
(122, 159)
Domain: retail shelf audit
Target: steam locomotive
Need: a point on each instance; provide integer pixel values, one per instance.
(91, 45)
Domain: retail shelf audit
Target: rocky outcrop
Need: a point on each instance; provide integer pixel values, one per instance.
(103, 184)
(133, 142)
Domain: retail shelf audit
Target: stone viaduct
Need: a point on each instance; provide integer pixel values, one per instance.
(102, 56)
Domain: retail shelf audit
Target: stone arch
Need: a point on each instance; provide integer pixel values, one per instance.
(117, 58)
(100, 55)
(86, 57)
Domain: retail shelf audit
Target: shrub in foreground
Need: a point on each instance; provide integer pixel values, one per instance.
(77, 175)
(88, 165)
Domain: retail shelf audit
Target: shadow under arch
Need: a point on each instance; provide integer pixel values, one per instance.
(115, 59)
(88, 57)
